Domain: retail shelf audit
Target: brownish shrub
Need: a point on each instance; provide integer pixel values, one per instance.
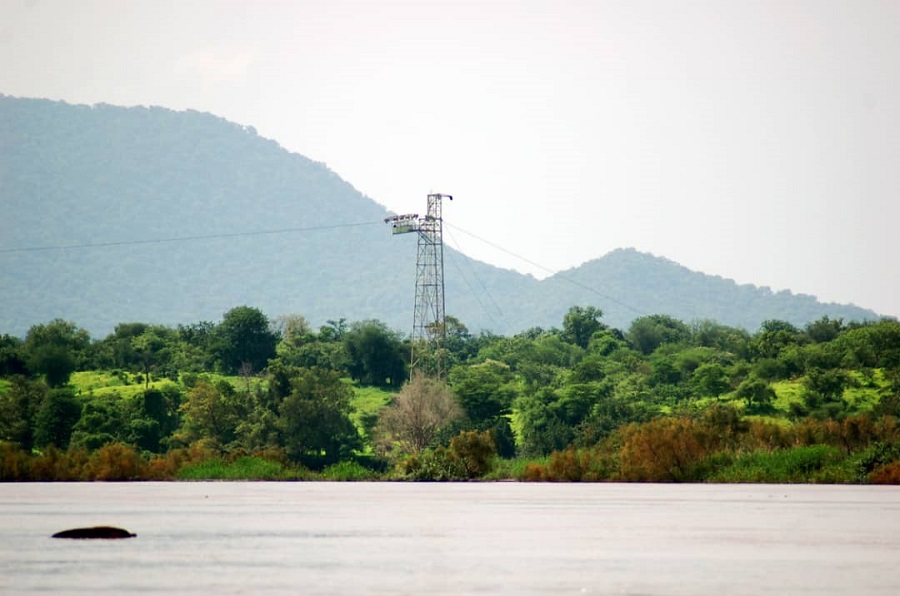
(54, 465)
(115, 461)
(857, 432)
(15, 463)
(535, 473)
(166, 467)
(764, 434)
(663, 450)
(887, 474)
(475, 450)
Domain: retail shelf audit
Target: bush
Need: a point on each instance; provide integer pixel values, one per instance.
(54, 465)
(475, 451)
(117, 462)
(579, 465)
(348, 471)
(439, 464)
(815, 463)
(15, 464)
(664, 450)
(535, 473)
(246, 467)
(888, 474)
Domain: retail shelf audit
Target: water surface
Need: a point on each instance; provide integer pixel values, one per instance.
(464, 538)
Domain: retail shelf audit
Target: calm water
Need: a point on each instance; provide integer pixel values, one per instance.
(496, 538)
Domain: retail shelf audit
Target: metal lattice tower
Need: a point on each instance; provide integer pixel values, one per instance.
(429, 328)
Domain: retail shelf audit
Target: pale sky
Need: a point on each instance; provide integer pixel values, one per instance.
(759, 141)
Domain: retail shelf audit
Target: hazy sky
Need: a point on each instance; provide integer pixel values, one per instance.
(757, 140)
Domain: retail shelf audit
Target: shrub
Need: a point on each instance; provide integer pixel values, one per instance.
(535, 473)
(663, 450)
(56, 465)
(815, 463)
(348, 471)
(887, 474)
(242, 468)
(578, 465)
(475, 452)
(116, 462)
(15, 464)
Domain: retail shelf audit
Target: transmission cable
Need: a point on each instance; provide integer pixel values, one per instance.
(185, 238)
(555, 274)
(475, 294)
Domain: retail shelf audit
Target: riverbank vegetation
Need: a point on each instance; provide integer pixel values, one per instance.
(249, 398)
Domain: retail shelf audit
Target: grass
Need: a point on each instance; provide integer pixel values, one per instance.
(367, 401)
(786, 393)
(242, 468)
(348, 471)
(107, 382)
(867, 390)
(513, 469)
(861, 396)
(815, 463)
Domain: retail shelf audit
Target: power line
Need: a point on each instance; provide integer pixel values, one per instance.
(183, 238)
(474, 293)
(554, 273)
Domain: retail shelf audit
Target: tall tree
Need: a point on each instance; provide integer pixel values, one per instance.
(580, 323)
(484, 390)
(56, 418)
(245, 337)
(375, 354)
(18, 407)
(416, 415)
(649, 332)
(315, 418)
(55, 350)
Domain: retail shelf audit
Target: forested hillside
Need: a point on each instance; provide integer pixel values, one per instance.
(117, 214)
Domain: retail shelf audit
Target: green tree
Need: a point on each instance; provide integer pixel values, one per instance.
(154, 417)
(773, 337)
(375, 354)
(649, 332)
(315, 418)
(824, 330)
(116, 349)
(580, 323)
(56, 418)
(729, 340)
(756, 392)
(12, 361)
(824, 386)
(195, 350)
(244, 338)
(55, 363)
(103, 420)
(212, 412)
(151, 351)
(18, 408)
(486, 391)
(55, 350)
(541, 429)
(710, 380)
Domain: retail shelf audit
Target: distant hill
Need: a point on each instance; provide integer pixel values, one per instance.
(175, 217)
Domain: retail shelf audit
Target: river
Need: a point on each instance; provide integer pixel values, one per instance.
(463, 538)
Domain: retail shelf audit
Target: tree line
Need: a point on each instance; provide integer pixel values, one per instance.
(660, 400)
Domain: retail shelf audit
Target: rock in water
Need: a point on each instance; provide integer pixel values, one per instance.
(95, 532)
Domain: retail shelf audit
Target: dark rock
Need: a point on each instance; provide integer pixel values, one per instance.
(106, 532)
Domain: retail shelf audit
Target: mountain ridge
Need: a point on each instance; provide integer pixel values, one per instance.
(174, 217)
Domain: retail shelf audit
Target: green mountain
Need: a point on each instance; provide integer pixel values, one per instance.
(117, 214)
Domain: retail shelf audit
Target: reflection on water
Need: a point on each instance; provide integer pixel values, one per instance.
(494, 538)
